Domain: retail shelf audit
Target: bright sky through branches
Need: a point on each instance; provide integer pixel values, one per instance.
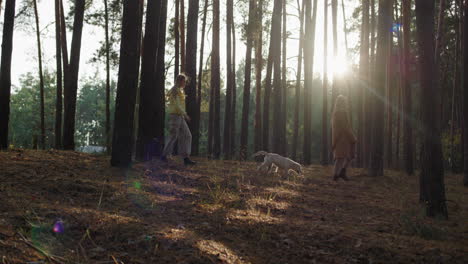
(25, 47)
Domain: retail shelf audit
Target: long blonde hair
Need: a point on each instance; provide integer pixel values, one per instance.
(175, 89)
(341, 106)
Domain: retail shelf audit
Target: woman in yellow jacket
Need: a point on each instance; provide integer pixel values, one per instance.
(178, 128)
(343, 139)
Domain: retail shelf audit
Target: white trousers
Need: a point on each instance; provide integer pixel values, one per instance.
(180, 132)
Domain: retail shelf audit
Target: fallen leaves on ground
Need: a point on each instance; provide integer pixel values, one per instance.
(70, 207)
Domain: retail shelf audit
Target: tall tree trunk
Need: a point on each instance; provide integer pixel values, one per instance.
(368, 96)
(324, 154)
(216, 82)
(335, 88)
(390, 96)
(227, 111)
(345, 85)
(398, 128)
(247, 79)
(345, 30)
(71, 87)
(432, 191)
(258, 76)
(160, 74)
(234, 91)
(465, 95)
(196, 119)
(41, 76)
(59, 97)
(182, 35)
(191, 63)
(267, 97)
(211, 111)
(108, 126)
(461, 24)
(309, 52)
(5, 71)
(122, 143)
(284, 87)
(362, 147)
(297, 102)
(400, 112)
(373, 25)
(406, 87)
(177, 39)
(377, 146)
(64, 45)
(277, 89)
(437, 52)
(440, 26)
(390, 101)
(455, 83)
(148, 91)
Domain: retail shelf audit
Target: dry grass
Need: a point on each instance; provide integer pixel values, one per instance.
(216, 212)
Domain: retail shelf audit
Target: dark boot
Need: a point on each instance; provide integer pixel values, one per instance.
(189, 162)
(336, 177)
(163, 159)
(343, 174)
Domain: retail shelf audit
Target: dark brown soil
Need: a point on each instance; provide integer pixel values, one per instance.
(216, 212)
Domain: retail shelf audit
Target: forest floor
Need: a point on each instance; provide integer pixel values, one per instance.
(70, 207)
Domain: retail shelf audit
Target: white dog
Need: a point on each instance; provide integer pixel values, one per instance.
(279, 161)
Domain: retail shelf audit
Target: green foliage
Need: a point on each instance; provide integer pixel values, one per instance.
(25, 119)
(25, 109)
(90, 113)
(95, 15)
(457, 159)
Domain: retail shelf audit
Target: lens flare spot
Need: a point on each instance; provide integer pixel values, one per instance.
(137, 185)
(396, 27)
(58, 227)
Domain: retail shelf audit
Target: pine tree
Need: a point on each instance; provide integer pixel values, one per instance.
(298, 82)
(277, 85)
(122, 143)
(227, 112)
(160, 74)
(191, 64)
(377, 149)
(59, 96)
(71, 85)
(196, 118)
(247, 79)
(258, 76)
(406, 87)
(363, 88)
(432, 189)
(108, 121)
(148, 91)
(309, 52)
(5, 71)
(465, 94)
(325, 154)
(216, 82)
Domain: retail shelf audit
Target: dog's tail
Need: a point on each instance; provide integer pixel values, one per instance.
(260, 153)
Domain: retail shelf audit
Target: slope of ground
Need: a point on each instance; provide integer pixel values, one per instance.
(69, 207)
